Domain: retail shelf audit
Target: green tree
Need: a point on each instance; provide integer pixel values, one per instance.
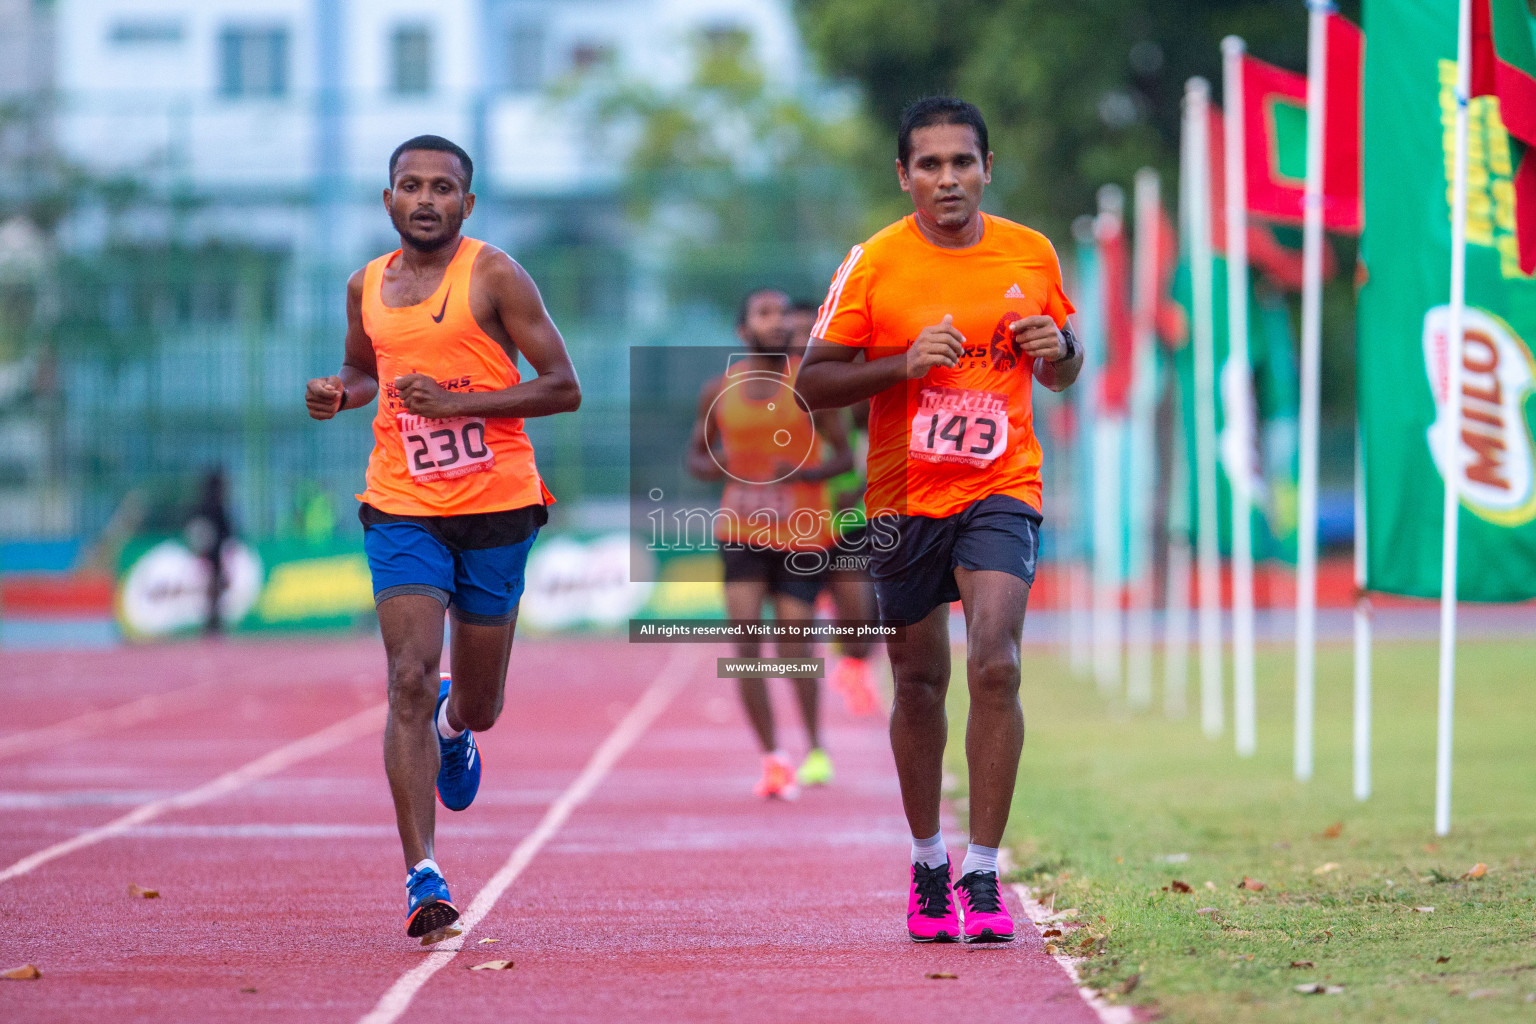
(733, 180)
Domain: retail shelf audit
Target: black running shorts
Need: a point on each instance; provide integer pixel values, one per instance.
(914, 571)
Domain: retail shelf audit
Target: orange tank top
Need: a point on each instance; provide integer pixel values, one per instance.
(765, 435)
(447, 467)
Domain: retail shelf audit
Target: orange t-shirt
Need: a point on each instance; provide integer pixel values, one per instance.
(764, 435)
(448, 467)
(956, 435)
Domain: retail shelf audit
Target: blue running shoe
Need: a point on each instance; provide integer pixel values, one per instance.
(458, 776)
(427, 904)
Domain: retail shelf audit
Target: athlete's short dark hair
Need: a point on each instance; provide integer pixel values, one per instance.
(746, 302)
(926, 113)
(438, 144)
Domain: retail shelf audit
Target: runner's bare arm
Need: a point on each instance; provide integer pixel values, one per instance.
(359, 376)
(700, 462)
(831, 428)
(1056, 361)
(507, 306)
(830, 378)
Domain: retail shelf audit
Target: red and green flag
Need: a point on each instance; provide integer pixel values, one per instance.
(1275, 118)
(1504, 66)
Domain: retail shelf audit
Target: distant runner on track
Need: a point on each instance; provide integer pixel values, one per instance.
(453, 498)
(853, 595)
(775, 524)
(954, 310)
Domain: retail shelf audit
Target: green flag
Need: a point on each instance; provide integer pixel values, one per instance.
(1410, 109)
(1274, 395)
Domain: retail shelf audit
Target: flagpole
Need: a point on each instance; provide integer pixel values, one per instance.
(1197, 94)
(1079, 577)
(1239, 412)
(1450, 464)
(1362, 635)
(1108, 473)
(1138, 687)
(1311, 372)
(1176, 654)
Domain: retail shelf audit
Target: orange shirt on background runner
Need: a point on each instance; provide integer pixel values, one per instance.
(958, 434)
(765, 434)
(446, 467)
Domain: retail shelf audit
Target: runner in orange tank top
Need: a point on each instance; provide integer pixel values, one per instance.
(775, 521)
(956, 314)
(453, 499)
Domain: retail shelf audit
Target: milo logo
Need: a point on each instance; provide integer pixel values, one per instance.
(1497, 453)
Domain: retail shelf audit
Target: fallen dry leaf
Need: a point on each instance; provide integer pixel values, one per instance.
(1442, 959)
(1178, 886)
(1251, 884)
(941, 976)
(1128, 986)
(1211, 886)
(1423, 910)
(441, 935)
(1062, 915)
(1431, 847)
(484, 941)
(143, 893)
(26, 972)
(1302, 964)
(1051, 949)
(1245, 956)
(1317, 988)
(1051, 933)
(493, 965)
(1334, 831)
(1323, 869)
(249, 990)
(1477, 870)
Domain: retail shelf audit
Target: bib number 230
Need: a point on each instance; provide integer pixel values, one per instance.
(959, 425)
(444, 449)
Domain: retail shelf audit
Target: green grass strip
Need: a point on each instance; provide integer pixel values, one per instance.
(1116, 812)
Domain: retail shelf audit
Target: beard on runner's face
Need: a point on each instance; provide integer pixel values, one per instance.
(427, 222)
(767, 328)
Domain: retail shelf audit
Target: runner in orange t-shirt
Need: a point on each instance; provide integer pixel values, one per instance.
(955, 311)
(775, 521)
(453, 499)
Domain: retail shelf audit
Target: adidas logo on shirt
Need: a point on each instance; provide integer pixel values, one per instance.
(1014, 293)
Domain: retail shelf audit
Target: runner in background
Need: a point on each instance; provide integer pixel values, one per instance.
(955, 311)
(453, 499)
(848, 582)
(774, 526)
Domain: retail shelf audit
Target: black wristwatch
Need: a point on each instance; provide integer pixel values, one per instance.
(1066, 335)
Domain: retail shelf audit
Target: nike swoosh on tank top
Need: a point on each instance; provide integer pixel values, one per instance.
(443, 467)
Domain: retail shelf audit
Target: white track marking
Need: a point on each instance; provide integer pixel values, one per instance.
(313, 745)
(1108, 1013)
(149, 706)
(674, 676)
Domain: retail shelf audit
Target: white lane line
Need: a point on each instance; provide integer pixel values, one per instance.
(143, 709)
(361, 724)
(674, 676)
(1108, 1013)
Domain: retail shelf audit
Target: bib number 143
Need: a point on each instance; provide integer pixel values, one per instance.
(959, 425)
(444, 449)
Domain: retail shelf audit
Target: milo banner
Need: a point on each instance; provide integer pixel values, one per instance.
(1403, 349)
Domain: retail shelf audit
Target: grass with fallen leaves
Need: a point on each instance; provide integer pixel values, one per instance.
(1210, 887)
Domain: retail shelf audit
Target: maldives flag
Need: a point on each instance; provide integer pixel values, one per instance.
(1504, 65)
(1115, 376)
(1275, 122)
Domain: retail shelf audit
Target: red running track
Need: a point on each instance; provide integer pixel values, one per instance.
(668, 894)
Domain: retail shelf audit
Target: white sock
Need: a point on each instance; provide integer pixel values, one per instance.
(445, 730)
(979, 858)
(930, 852)
(425, 862)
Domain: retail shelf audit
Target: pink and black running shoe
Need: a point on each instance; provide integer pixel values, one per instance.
(931, 906)
(981, 903)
